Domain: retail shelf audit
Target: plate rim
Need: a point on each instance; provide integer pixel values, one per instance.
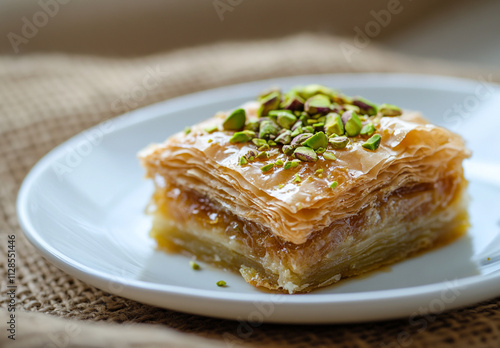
(227, 93)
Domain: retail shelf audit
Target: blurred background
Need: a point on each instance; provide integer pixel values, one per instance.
(457, 30)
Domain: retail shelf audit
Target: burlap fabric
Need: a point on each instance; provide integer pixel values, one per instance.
(45, 99)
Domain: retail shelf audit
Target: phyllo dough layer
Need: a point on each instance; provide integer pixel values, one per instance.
(291, 229)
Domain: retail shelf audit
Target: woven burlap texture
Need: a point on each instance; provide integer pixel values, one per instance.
(45, 99)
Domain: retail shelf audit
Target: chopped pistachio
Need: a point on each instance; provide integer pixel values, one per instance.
(305, 154)
(292, 164)
(329, 156)
(251, 158)
(287, 150)
(194, 265)
(352, 108)
(209, 141)
(264, 147)
(269, 102)
(252, 125)
(333, 124)
(284, 138)
(267, 167)
(221, 283)
(286, 119)
(235, 120)
(368, 129)
(334, 185)
(278, 163)
(187, 130)
(296, 178)
(318, 104)
(318, 125)
(389, 110)
(372, 143)
(352, 124)
(308, 91)
(243, 161)
(366, 106)
(338, 142)
(263, 155)
(211, 129)
(242, 137)
(319, 171)
(296, 132)
(320, 150)
(271, 142)
(267, 129)
(299, 139)
(293, 102)
(280, 186)
(308, 129)
(316, 141)
(259, 142)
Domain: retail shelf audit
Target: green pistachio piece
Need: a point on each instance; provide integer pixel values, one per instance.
(268, 103)
(296, 178)
(304, 117)
(318, 125)
(242, 137)
(267, 167)
(259, 142)
(235, 120)
(293, 102)
(311, 121)
(352, 123)
(278, 163)
(194, 265)
(243, 161)
(286, 119)
(316, 141)
(318, 104)
(267, 129)
(264, 147)
(267, 92)
(308, 91)
(372, 143)
(263, 155)
(320, 150)
(368, 129)
(334, 185)
(221, 283)
(299, 139)
(333, 124)
(329, 156)
(305, 154)
(187, 130)
(366, 106)
(352, 108)
(287, 150)
(296, 132)
(211, 129)
(284, 138)
(389, 110)
(338, 142)
(252, 125)
(308, 129)
(292, 164)
(271, 142)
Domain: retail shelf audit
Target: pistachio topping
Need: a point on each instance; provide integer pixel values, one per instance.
(187, 130)
(318, 140)
(368, 129)
(235, 120)
(329, 156)
(242, 137)
(194, 265)
(372, 143)
(305, 154)
(211, 129)
(221, 283)
(389, 110)
(334, 185)
(338, 142)
(305, 123)
(267, 167)
(352, 123)
(296, 178)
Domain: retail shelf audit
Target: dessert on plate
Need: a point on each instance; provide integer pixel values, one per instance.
(298, 190)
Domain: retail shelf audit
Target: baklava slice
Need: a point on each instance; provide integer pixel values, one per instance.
(298, 190)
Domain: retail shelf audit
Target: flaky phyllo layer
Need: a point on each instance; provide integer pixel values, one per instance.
(294, 203)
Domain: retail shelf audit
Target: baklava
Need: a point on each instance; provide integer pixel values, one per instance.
(298, 190)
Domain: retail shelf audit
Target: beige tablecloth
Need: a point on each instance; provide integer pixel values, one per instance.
(45, 99)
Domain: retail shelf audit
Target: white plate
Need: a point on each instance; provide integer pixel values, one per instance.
(82, 207)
